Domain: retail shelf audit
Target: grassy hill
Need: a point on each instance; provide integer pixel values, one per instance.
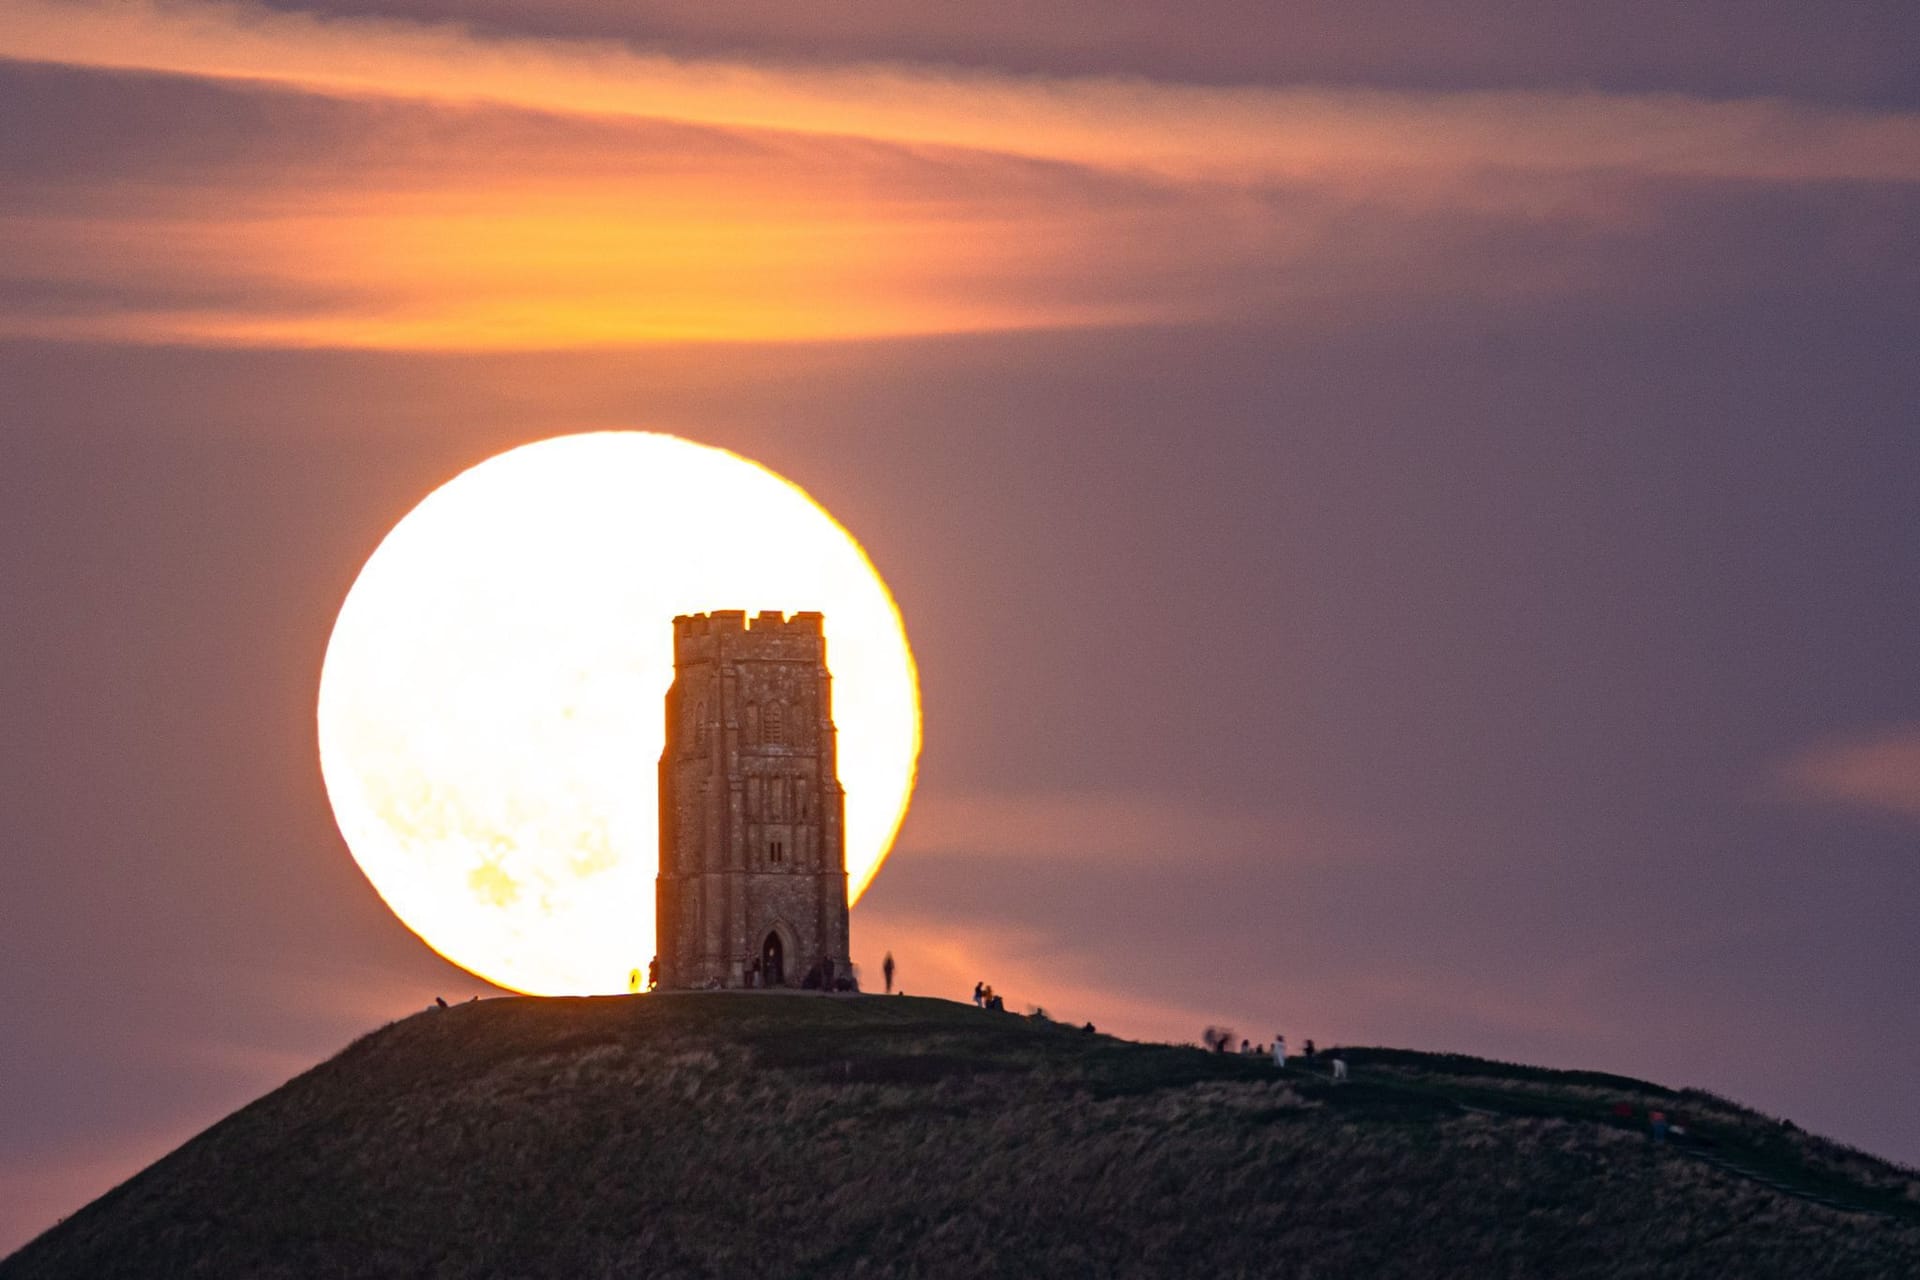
(782, 1135)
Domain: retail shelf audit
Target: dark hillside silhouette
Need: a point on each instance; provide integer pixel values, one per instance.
(781, 1134)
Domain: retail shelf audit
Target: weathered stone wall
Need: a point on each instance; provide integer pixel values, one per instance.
(751, 810)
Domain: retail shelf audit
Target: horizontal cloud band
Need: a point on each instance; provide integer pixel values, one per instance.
(216, 174)
(1188, 131)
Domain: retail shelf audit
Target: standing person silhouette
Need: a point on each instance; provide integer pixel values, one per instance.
(886, 971)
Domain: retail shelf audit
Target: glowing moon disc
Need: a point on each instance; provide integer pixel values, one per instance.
(491, 706)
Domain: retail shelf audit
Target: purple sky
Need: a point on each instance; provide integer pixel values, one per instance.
(1409, 515)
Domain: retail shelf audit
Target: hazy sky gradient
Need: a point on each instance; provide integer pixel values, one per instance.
(1408, 519)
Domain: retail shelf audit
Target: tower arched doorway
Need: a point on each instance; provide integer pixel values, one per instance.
(773, 966)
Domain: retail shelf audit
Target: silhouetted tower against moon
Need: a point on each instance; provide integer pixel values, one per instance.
(753, 869)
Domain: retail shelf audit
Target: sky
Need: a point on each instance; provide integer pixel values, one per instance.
(1408, 515)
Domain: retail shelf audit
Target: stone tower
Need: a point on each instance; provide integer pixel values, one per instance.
(753, 871)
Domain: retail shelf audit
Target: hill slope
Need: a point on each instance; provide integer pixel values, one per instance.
(774, 1135)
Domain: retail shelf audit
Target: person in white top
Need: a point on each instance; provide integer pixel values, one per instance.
(1279, 1050)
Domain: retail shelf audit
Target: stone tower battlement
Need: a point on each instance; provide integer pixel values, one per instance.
(753, 879)
(767, 635)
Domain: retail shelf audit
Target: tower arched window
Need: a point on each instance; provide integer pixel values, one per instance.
(776, 722)
(700, 724)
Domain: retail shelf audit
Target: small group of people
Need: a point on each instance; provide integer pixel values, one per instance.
(1219, 1041)
(983, 995)
(822, 977)
(1279, 1050)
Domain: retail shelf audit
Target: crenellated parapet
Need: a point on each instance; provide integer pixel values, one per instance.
(728, 634)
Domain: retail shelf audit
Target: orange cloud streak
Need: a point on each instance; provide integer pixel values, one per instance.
(1186, 131)
(1875, 772)
(467, 253)
(784, 204)
(478, 277)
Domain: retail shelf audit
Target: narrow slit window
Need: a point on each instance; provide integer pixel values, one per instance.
(776, 851)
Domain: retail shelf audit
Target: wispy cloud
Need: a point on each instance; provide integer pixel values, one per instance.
(1190, 131)
(306, 182)
(1118, 828)
(346, 224)
(302, 221)
(1878, 771)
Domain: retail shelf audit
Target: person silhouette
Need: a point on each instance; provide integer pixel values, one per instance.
(886, 971)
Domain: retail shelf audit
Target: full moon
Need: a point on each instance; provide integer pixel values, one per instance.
(491, 710)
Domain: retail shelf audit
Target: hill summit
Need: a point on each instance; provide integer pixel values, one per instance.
(770, 1134)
